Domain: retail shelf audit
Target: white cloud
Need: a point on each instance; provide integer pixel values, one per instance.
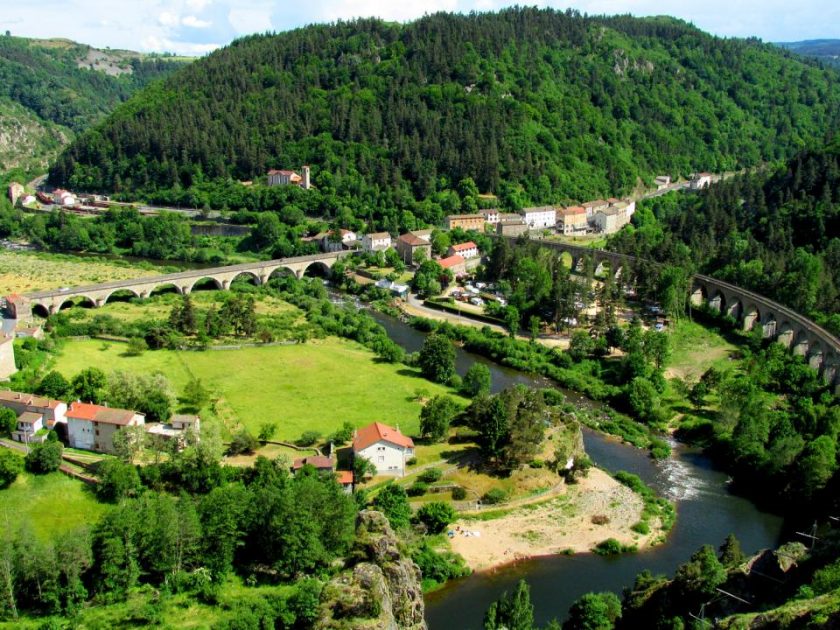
(194, 22)
(167, 19)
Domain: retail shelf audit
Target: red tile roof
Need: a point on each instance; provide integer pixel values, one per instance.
(281, 172)
(464, 246)
(344, 477)
(378, 432)
(572, 210)
(98, 413)
(318, 461)
(451, 261)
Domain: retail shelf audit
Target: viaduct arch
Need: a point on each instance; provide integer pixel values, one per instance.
(48, 302)
(750, 310)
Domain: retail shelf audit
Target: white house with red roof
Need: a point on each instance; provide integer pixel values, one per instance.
(93, 427)
(465, 250)
(385, 447)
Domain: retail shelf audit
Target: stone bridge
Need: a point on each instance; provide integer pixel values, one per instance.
(46, 303)
(802, 336)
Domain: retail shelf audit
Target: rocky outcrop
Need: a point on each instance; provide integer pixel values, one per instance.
(382, 589)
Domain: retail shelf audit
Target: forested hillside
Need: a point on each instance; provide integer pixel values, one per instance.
(536, 105)
(53, 89)
(776, 233)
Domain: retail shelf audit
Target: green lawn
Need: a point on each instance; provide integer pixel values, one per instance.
(314, 386)
(46, 504)
(695, 349)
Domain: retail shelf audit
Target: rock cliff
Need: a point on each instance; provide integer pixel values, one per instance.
(380, 591)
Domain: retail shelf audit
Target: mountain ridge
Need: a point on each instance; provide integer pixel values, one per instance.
(543, 104)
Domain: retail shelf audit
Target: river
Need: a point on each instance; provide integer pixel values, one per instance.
(706, 514)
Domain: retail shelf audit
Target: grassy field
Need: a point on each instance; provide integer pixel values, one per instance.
(314, 386)
(159, 306)
(695, 349)
(23, 272)
(45, 504)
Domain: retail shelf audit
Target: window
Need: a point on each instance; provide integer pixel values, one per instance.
(381, 459)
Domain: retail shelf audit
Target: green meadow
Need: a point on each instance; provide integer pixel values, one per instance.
(314, 386)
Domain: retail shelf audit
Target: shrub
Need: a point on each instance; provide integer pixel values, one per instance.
(44, 458)
(608, 547)
(494, 496)
(430, 475)
(436, 516)
(459, 493)
(537, 463)
(418, 489)
(344, 434)
(243, 442)
(600, 519)
(11, 464)
(412, 461)
(308, 438)
(641, 528)
(136, 346)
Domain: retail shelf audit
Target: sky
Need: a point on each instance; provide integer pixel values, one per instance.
(195, 27)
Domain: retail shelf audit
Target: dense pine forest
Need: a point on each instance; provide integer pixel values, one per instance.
(776, 233)
(536, 105)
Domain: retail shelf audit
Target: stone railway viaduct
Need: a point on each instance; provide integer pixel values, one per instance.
(46, 303)
(802, 336)
(799, 334)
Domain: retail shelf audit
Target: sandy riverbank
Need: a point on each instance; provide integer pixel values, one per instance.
(561, 523)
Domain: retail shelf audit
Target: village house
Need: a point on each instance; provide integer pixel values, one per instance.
(490, 215)
(179, 427)
(509, 217)
(376, 242)
(28, 425)
(53, 411)
(321, 463)
(700, 181)
(572, 220)
(662, 181)
(385, 447)
(467, 250)
(512, 228)
(345, 480)
(409, 244)
(610, 220)
(539, 218)
(290, 178)
(93, 427)
(425, 234)
(592, 207)
(465, 222)
(62, 197)
(334, 241)
(456, 264)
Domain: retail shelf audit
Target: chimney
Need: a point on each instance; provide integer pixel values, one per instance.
(305, 183)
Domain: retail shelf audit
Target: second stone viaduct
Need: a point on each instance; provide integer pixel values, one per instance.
(796, 332)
